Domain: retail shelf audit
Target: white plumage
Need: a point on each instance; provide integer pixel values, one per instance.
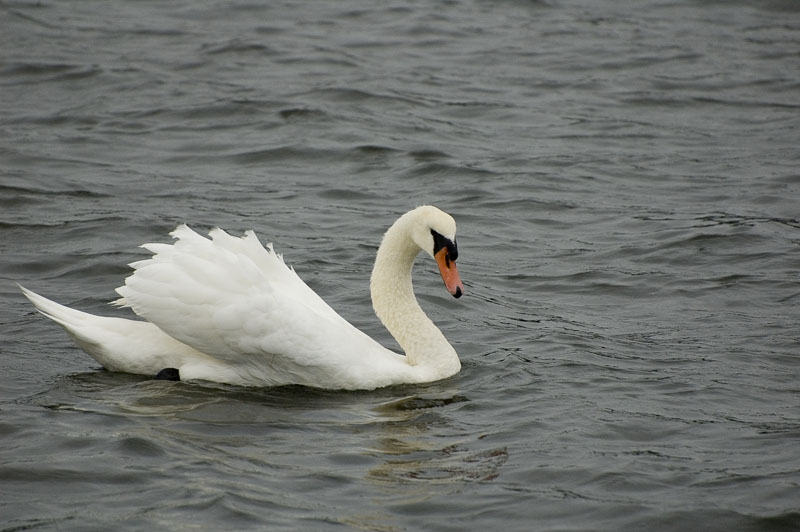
(226, 309)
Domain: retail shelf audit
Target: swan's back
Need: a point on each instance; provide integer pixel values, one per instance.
(235, 301)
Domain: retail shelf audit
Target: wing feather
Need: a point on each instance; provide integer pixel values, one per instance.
(233, 299)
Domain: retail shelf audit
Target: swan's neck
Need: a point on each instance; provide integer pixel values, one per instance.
(393, 300)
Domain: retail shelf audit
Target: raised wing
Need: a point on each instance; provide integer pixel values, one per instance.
(236, 301)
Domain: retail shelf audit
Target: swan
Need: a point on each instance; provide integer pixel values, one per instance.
(226, 309)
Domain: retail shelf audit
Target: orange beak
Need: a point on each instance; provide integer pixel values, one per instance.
(449, 273)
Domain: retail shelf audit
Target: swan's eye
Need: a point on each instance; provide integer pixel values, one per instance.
(440, 242)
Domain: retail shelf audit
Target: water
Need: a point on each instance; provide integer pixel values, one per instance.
(625, 180)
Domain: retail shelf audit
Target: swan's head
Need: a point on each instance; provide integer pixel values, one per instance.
(434, 231)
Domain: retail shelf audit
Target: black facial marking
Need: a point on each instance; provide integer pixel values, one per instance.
(440, 242)
(168, 374)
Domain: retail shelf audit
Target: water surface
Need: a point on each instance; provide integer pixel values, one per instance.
(625, 183)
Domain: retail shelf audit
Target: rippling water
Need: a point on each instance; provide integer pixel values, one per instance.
(625, 179)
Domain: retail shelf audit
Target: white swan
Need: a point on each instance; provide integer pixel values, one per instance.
(227, 310)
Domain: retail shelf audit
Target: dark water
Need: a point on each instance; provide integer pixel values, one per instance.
(625, 179)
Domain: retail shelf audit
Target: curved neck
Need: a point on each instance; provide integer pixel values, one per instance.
(397, 308)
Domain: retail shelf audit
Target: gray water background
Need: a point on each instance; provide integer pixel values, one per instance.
(625, 180)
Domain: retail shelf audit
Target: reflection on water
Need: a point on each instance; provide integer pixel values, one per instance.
(423, 454)
(412, 434)
(409, 449)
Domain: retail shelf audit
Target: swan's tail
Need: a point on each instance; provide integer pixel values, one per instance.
(116, 343)
(72, 320)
